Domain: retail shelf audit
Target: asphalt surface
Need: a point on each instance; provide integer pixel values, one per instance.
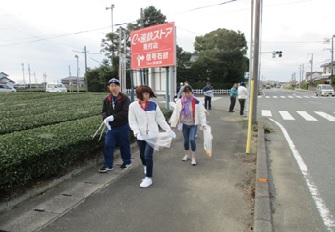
(212, 196)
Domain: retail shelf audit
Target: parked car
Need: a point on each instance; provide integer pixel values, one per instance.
(55, 88)
(324, 90)
(6, 88)
(268, 87)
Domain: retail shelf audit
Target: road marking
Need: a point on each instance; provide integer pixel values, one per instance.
(306, 116)
(299, 96)
(267, 96)
(266, 113)
(286, 115)
(290, 96)
(314, 97)
(282, 96)
(275, 96)
(306, 96)
(323, 210)
(325, 115)
(259, 96)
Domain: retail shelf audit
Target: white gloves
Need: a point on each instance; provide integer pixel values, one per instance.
(107, 120)
(171, 133)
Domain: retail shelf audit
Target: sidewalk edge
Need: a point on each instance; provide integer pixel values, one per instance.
(262, 212)
(5, 206)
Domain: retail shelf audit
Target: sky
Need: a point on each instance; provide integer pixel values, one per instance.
(45, 36)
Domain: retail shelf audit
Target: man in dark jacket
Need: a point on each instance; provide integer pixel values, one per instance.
(115, 115)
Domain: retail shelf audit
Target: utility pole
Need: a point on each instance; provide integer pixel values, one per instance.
(251, 46)
(29, 76)
(69, 70)
(86, 83)
(35, 79)
(45, 79)
(24, 81)
(255, 71)
(111, 8)
(77, 57)
(332, 62)
(311, 61)
(85, 58)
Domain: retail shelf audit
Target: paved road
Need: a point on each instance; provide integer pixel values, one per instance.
(310, 125)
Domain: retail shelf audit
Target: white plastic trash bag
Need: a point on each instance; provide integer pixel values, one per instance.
(208, 137)
(162, 139)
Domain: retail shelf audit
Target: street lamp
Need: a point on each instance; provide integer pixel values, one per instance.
(111, 8)
(77, 57)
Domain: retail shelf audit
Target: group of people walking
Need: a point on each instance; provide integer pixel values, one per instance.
(143, 117)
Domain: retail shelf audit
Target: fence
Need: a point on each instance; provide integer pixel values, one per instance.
(199, 91)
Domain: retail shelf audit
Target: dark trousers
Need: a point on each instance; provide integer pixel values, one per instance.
(242, 104)
(146, 153)
(232, 103)
(208, 100)
(117, 135)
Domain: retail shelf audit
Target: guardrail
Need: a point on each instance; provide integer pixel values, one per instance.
(199, 91)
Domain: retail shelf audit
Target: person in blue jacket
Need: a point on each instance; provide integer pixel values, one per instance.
(233, 96)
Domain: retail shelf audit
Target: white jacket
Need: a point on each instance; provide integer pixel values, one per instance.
(146, 122)
(199, 117)
(242, 92)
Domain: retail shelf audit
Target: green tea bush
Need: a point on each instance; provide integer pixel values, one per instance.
(44, 152)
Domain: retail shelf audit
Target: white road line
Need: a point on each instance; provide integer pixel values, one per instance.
(267, 96)
(298, 96)
(314, 97)
(325, 115)
(275, 96)
(323, 210)
(259, 96)
(306, 116)
(286, 115)
(306, 96)
(290, 96)
(266, 113)
(282, 96)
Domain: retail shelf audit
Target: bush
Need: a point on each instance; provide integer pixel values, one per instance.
(45, 152)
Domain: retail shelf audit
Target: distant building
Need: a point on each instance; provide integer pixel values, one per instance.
(5, 80)
(73, 81)
(310, 77)
(326, 73)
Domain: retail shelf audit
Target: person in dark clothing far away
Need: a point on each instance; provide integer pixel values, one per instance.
(209, 93)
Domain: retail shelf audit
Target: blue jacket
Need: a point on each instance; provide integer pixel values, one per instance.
(233, 92)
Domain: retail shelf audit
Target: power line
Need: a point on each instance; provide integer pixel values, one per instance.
(203, 7)
(52, 37)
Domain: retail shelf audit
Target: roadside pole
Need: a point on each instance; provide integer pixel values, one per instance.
(254, 81)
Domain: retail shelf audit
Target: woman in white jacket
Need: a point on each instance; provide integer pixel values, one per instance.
(144, 117)
(191, 113)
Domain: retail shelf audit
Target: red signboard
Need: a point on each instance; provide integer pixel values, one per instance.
(153, 46)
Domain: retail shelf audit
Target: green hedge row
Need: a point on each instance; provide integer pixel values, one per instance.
(45, 152)
(30, 110)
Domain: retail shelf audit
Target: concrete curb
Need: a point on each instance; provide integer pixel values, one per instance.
(262, 213)
(5, 206)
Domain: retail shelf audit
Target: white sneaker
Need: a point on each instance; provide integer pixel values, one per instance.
(146, 182)
(145, 169)
(193, 162)
(186, 157)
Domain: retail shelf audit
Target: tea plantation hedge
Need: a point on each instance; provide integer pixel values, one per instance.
(43, 135)
(45, 152)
